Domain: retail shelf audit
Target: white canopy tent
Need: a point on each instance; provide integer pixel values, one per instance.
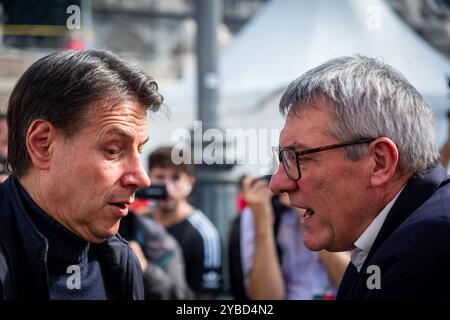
(287, 38)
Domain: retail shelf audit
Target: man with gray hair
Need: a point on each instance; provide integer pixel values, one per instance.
(358, 152)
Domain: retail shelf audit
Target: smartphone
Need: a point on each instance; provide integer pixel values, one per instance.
(155, 191)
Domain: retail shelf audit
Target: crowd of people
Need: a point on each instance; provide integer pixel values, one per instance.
(356, 209)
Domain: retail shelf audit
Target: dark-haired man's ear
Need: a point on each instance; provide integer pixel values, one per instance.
(384, 154)
(40, 136)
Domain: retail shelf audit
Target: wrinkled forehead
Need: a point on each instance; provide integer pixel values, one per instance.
(126, 121)
(306, 127)
(123, 108)
(126, 112)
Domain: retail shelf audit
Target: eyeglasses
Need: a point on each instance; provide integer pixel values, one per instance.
(291, 158)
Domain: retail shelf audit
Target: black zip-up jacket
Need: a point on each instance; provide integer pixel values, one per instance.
(23, 255)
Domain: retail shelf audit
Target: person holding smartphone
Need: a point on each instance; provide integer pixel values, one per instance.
(195, 233)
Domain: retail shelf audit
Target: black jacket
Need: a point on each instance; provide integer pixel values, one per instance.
(412, 249)
(23, 255)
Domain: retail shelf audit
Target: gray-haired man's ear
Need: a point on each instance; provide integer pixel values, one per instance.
(385, 156)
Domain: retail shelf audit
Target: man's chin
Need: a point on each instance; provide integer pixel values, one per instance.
(101, 235)
(312, 244)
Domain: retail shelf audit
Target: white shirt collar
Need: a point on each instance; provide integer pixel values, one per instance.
(367, 238)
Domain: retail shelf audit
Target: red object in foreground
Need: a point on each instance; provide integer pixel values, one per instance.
(140, 205)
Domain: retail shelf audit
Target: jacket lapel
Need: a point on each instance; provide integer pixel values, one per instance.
(349, 278)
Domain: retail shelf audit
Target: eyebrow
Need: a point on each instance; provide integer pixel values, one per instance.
(124, 134)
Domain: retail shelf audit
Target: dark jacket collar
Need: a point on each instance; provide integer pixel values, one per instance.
(32, 245)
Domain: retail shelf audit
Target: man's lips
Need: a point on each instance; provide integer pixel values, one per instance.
(307, 216)
(121, 207)
(121, 204)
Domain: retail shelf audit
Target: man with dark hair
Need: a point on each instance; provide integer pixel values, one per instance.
(78, 123)
(195, 233)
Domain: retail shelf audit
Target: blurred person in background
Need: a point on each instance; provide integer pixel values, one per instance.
(194, 232)
(77, 125)
(236, 274)
(159, 254)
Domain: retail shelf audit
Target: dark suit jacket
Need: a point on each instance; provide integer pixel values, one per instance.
(412, 248)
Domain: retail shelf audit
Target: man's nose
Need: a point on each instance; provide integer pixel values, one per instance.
(280, 182)
(137, 176)
(142, 177)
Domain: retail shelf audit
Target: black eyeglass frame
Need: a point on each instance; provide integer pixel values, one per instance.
(298, 154)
